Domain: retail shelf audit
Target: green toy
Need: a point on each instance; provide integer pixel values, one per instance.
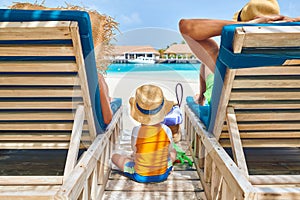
(181, 156)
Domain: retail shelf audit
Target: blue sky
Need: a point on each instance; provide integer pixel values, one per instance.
(155, 22)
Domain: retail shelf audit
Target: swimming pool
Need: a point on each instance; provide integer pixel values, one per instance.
(186, 71)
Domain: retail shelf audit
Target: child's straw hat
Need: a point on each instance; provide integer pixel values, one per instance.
(149, 106)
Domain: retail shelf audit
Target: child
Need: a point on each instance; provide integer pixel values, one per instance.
(151, 142)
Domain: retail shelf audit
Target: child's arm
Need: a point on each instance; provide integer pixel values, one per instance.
(173, 155)
(134, 136)
(172, 151)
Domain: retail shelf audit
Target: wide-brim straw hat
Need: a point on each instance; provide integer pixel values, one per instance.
(257, 8)
(149, 106)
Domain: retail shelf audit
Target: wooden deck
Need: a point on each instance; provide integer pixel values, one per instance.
(183, 182)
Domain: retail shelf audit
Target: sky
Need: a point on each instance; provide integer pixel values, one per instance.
(155, 22)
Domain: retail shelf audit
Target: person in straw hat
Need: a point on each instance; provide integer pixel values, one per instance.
(151, 142)
(198, 32)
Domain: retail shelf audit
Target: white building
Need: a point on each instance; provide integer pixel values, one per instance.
(124, 53)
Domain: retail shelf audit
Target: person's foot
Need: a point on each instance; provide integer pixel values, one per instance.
(199, 99)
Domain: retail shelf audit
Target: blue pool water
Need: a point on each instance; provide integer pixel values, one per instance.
(151, 67)
(187, 71)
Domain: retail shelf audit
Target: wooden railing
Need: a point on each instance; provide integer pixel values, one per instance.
(220, 176)
(88, 178)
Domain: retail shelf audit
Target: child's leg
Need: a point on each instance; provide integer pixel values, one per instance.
(119, 160)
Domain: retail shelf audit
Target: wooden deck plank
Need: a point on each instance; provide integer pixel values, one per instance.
(108, 195)
(175, 175)
(166, 186)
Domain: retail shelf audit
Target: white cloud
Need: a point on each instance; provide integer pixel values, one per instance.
(133, 18)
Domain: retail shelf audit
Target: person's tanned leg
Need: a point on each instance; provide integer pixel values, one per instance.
(120, 160)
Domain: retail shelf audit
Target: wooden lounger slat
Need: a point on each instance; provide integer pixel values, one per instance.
(265, 134)
(268, 116)
(36, 30)
(38, 126)
(36, 50)
(41, 145)
(264, 95)
(34, 145)
(252, 142)
(274, 103)
(35, 115)
(276, 70)
(268, 126)
(51, 80)
(265, 105)
(40, 136)
(265, 36)
(36, 24)
(17, 92)
(72, 104)
(38, 66)
(273, 83)
(58, 33)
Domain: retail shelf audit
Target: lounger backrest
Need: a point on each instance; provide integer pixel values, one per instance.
(265, 98)
(43, 80)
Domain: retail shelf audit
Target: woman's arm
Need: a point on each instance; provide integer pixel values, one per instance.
(104, 100)
(202, 29)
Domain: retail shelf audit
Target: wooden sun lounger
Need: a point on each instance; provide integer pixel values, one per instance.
(47, 101)
(254, 116)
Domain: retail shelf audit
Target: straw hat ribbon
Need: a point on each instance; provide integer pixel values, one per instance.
(255, 8)
(149, 106)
